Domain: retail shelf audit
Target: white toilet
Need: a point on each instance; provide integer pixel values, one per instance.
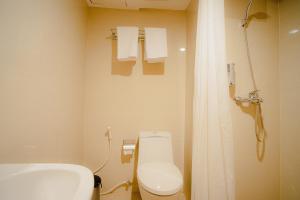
(158, 177)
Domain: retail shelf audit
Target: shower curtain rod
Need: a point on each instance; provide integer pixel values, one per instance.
(115, 37)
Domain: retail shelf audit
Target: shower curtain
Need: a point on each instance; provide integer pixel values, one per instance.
(212, 160)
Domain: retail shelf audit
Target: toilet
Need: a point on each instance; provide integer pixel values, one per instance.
(158, 177)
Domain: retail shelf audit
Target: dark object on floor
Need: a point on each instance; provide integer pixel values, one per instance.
(97, 181)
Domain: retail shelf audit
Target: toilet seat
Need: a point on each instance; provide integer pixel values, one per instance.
(160, 178)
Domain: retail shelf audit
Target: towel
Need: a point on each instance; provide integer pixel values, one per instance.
(156, 49)
(127, 43)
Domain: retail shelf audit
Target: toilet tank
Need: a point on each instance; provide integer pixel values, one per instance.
(155, 146)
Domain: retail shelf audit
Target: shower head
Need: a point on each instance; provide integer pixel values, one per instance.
(247, 17)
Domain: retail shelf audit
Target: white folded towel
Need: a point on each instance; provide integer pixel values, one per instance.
(156, 49)
(127, 43)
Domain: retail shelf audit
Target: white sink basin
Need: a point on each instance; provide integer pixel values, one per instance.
(45, 182)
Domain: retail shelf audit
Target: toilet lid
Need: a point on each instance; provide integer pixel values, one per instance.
(160, 178)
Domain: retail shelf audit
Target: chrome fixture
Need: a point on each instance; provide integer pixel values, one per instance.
(253, 98)
(114, 35)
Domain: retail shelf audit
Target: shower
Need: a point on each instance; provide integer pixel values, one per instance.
(253, 96)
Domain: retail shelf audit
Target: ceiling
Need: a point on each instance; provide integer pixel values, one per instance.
(137, 4)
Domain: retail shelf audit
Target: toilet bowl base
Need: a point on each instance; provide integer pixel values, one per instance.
(149, 196)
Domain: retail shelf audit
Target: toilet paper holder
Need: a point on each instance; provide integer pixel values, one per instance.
(128, 147)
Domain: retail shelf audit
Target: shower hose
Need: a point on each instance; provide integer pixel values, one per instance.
(259, 124)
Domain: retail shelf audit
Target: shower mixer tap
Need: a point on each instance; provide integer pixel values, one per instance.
(253, 97)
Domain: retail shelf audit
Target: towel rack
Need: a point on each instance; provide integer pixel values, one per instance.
(115, 37)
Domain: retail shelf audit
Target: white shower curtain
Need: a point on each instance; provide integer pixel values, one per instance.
(212, 162)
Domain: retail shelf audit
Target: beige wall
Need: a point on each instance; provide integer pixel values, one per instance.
(41, 64)
(289, 63)
(255, 179)
(41, 84)
(191, 47)
(131, 97)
